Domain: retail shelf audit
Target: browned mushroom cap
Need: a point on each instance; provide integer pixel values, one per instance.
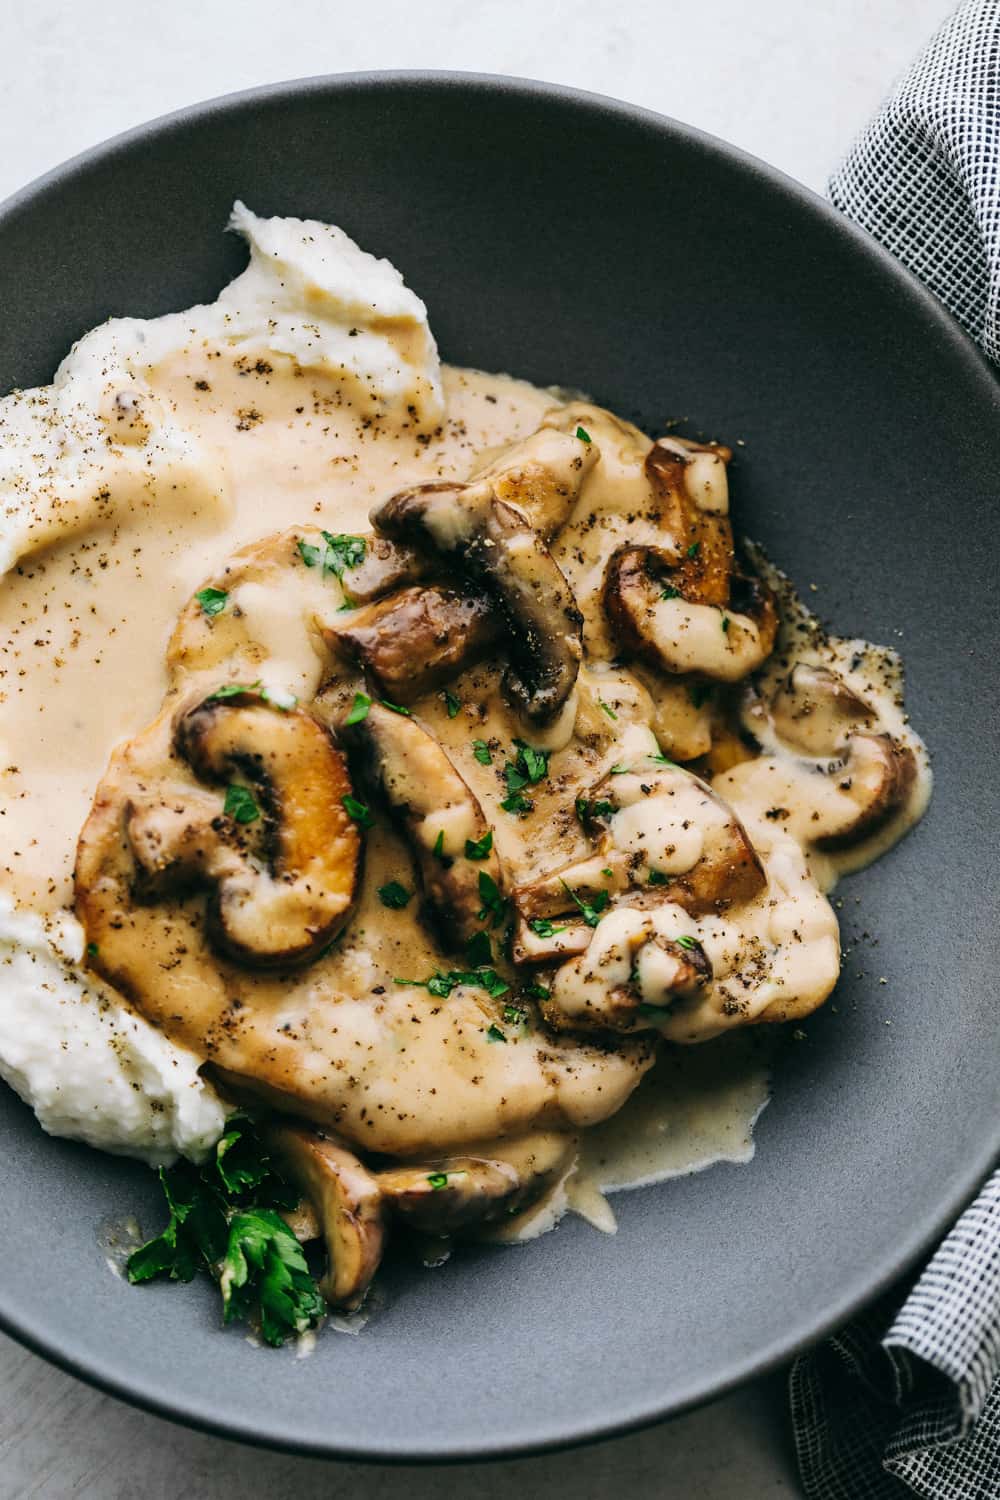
(347, 1202)
(641, 865)
(286, 909)
(385, 568)
(496, 548)
(852, 778)
(660, 966)
(436, 811)
(412, 642)
(542, 475)
(493, 1182)
(660, 618)
(686, 606)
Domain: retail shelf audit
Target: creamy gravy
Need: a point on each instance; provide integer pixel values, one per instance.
(259, 438)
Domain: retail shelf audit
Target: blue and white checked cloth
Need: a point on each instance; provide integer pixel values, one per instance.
(906, 1401)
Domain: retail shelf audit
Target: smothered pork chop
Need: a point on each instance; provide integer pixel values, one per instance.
(483, 773)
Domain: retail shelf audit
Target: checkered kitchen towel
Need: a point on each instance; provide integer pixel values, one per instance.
(906, 1401)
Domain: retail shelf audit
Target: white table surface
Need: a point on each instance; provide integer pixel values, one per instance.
(789, 80)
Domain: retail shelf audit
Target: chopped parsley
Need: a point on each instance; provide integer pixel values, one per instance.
(437, 1180)
(661, 760)
(619, 770)
(439, 845)
(479, 848)
(359, 709)
(725, 624)
(481, 752)
(514, 1015)
(441, 984)
(607, 708)
(494, 1034)
(599, 808)
(583, 434)
(359, 811)
(338, 555)
(528, 767)
(670, 593)
(494, 906)
(452, 704)
(395, 708)
(479, 950)
(685, 942)
(241, 805)
(212, 601)
(589, 910)
(224, 1222)
(394, 895)
(92, 950)
(607, 871)
(694, 549)
(232, 690)
(542, 927)
(657, 877)
(537, 991)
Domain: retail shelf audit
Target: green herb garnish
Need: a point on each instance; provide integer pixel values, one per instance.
(619, 770)
(212, 601)
(661, 760)
(538, 991)
(359, 709)
(542, 927)
(359, 811)
(589, 910)
(494, 906)
(232, 690)
(479, 848)
(395, 708)
(441, 984)
(437, 1180)
(694, 549)
(452, 704)
(725, 624)
(224, 1222)
(494, 1034)
(657, 877)
(479, 950)
(241, 805)
(583, 434)
(394, 895)
(607, 708)
(686, 942)
(670, 593)
(439, 845)
(482, 752)
(92, 950)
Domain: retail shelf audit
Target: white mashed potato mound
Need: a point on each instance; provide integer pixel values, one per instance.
(309, 293)
(89, 1067)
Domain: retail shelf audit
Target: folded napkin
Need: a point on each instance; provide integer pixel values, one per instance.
(906, 1401)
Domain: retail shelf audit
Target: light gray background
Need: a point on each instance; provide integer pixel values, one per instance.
(790, 80)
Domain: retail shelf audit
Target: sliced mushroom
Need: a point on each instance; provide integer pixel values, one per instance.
(493, 544)
(636, 969)
(833, 773)
(659, 617)
(542, 475)
(412, 642)
(437, 812)
(479, 1187)
(663, 836)
(347, 1201)
(686, 606)
(384, 569)
(285, 908)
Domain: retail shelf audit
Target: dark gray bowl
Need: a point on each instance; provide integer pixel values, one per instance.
(568, 238)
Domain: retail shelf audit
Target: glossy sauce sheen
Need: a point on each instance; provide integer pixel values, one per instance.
(87, 614)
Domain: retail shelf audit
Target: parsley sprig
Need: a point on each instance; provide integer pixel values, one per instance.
(224, 1221)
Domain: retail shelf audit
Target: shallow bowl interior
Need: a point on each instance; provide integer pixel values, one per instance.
(568, 239)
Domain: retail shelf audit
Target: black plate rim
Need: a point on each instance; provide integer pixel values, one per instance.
(875, 1280)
